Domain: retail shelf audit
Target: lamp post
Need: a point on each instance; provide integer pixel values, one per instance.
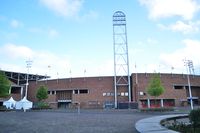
(49, 67)
(84, 74)
(28, 65)
(70, 73)
(189, 66)
(48, 73)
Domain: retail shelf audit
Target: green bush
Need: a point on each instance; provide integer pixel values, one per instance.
(181, 127)
(3, 108)
(194, 117)
(157, 109)
(41, 105)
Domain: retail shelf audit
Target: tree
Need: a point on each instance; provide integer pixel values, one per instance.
(4, 85)
(155, 87)
(42, 93)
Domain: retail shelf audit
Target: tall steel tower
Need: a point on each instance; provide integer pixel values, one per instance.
(121, 61)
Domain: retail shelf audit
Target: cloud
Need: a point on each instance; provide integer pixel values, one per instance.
(105, 68)
(15, 23)
(93, 67)
(169, 8)
(189, 51)
(183, 27)
(66, 8)
(17, 51)
(16, 57)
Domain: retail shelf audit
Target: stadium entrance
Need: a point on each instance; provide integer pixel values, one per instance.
(64, 98)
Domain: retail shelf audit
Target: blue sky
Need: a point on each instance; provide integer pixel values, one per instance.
(71, 36)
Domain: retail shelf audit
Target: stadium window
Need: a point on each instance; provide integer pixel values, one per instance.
(83, 91)
(178, 87)
(126, 93)
(15, 90)
(108, 94)
(141, 93)
(75, 91)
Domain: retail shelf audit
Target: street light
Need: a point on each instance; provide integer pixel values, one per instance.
(48, 73)
(28, 65)
(189, 66)
(49, 67)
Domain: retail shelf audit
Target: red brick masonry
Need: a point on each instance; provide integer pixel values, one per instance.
(96, 92)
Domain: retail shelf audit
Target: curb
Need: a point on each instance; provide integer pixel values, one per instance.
(152, 124)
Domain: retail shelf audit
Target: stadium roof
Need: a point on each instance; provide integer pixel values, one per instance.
(20, 78)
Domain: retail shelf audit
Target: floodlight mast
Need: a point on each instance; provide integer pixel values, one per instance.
(189, 66)
(28, 66)
(121, 60)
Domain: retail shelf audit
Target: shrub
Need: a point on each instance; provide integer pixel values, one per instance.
(180, 127)
(3, 108)
(156, 109)
(42, 105)
(194, 117)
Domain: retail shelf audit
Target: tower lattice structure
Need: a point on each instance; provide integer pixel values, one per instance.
(121, 60)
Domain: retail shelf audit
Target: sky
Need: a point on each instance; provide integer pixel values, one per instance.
(74, 38)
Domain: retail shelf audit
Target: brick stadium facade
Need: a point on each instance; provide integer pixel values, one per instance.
(176, 90)
(90, 92)
(98, 92)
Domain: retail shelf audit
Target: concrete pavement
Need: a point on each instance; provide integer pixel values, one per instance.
(66, 121)
(152, 124)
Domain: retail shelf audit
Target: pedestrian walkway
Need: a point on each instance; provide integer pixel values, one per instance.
(152, 124)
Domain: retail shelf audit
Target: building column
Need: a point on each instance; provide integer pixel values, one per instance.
(21, 93)
(148, 103)
(161, 101)
(10, 89)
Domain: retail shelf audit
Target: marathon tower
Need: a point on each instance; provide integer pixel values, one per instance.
(121, 60)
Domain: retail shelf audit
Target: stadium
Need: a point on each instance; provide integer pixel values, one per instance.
(98, 92)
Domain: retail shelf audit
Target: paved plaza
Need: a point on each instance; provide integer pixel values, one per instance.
(62, 121)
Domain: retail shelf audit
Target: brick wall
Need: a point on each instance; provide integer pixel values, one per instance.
(97, 86)
(168, 81)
